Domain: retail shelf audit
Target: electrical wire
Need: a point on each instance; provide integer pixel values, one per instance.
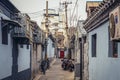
(36, 12)
(74, 8)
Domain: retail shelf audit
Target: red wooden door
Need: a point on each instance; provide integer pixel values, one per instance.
(61, 54)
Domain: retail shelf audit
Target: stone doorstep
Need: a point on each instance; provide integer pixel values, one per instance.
(38, 76)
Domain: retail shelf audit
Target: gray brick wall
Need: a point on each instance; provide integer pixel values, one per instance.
(77, 70)
(86, 63)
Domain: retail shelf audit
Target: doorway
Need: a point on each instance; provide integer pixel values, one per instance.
(61, 54)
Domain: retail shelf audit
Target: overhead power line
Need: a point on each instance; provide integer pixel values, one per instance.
(74, 8)
(36, 12)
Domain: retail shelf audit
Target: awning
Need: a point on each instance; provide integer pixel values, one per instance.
(13, 23)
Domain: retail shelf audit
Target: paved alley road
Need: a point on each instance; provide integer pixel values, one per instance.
(57, 73)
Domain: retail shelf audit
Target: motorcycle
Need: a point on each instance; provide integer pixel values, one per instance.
(71, 67)
(67, 65)
(64, 64)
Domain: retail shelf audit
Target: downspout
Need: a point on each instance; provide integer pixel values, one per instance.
(31, 50)
(83, 42)
(80, 41)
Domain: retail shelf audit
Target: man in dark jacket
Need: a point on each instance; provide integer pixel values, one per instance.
(43, 66)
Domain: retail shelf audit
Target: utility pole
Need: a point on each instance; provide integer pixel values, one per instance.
(66, 15)
(46, 25)
(66, 5)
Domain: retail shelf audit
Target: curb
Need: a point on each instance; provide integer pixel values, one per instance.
(37, 77)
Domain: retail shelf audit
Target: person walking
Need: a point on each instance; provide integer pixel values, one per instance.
(43, 66)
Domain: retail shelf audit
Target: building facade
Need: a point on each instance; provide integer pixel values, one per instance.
(21, 44)
(103, 51)
(37, 49)
(80, 61)
(71, 41)
(51, 47)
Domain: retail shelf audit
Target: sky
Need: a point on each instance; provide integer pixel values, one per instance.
(34, 8)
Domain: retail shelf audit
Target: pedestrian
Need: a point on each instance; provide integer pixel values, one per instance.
(48, 63)
(43, 66)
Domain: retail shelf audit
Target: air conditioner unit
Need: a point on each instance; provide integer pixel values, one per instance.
(114, 18)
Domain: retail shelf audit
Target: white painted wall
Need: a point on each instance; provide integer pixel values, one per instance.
(5, 58)
(5, 55)
(39, 52)
(43, 54)
(23, 58)
(103, 67)
(78, 57)
(33, 61)
(50, 49)
(66, 53)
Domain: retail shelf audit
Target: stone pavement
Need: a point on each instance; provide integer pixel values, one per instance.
(38, 76)
(57, 73)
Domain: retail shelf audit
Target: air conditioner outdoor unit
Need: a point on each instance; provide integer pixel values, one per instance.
(114, 18)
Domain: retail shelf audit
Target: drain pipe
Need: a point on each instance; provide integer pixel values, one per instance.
(80, 41)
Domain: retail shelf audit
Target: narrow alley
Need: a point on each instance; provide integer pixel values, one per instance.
(57, 73)
(59, 39)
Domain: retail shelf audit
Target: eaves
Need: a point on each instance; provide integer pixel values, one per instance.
(101, 16)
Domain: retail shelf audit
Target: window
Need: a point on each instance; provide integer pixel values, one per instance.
(21, 45)
(92, 9)
(94, 45)
(84, 39)
(27, 46)
(53, 45)
(113, 49)
(5, 36)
